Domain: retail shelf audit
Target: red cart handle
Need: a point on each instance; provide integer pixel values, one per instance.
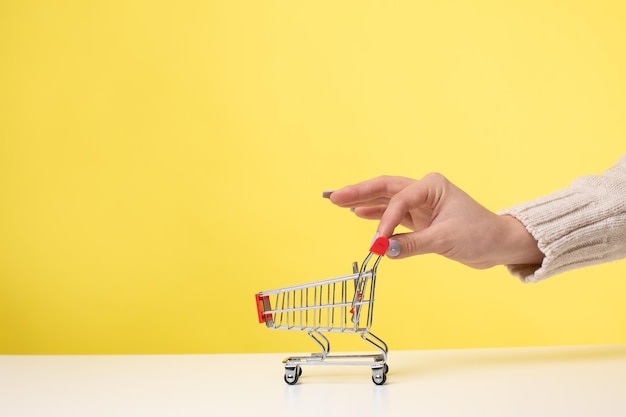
(260, 307)
(380, 246)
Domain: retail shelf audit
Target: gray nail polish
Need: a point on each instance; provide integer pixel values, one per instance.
(327, 193)
(394, 248)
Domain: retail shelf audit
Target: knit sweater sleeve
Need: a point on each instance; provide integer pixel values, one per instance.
(582, 225)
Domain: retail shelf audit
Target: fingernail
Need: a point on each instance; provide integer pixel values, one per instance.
(327, 193)
(375, 237)
(394, 248)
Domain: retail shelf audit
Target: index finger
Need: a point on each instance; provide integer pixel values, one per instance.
(407, 199)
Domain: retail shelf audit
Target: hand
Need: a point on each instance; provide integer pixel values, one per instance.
(444, 220)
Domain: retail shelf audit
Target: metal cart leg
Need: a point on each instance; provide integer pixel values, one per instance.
(322, 341)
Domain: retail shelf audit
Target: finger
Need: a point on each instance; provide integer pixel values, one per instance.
(381, 201)
(425, 193)
(370, 213)
(370, 192)
(404, 245)
(415, 222)
(412, 197)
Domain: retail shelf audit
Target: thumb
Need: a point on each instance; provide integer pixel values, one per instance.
(404, 245)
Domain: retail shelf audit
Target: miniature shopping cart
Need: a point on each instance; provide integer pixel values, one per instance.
(336, 305)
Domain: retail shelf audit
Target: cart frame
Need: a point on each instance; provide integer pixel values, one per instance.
(337, 305)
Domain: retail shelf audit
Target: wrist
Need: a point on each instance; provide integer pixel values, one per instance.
(519, 247)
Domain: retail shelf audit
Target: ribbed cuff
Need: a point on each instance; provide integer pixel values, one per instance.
(580, 226)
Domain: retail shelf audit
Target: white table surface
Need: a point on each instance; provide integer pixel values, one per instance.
(566, 381)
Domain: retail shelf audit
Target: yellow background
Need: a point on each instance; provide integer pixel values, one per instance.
(161, 162)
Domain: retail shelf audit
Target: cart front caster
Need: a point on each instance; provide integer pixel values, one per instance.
(292, 374)
(379, 375)
(379, 379)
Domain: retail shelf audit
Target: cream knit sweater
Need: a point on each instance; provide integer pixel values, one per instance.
(582, 225)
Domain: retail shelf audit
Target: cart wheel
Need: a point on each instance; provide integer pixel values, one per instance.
(379, 379)
(291, 380)
(292, 375)
(386, 369)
